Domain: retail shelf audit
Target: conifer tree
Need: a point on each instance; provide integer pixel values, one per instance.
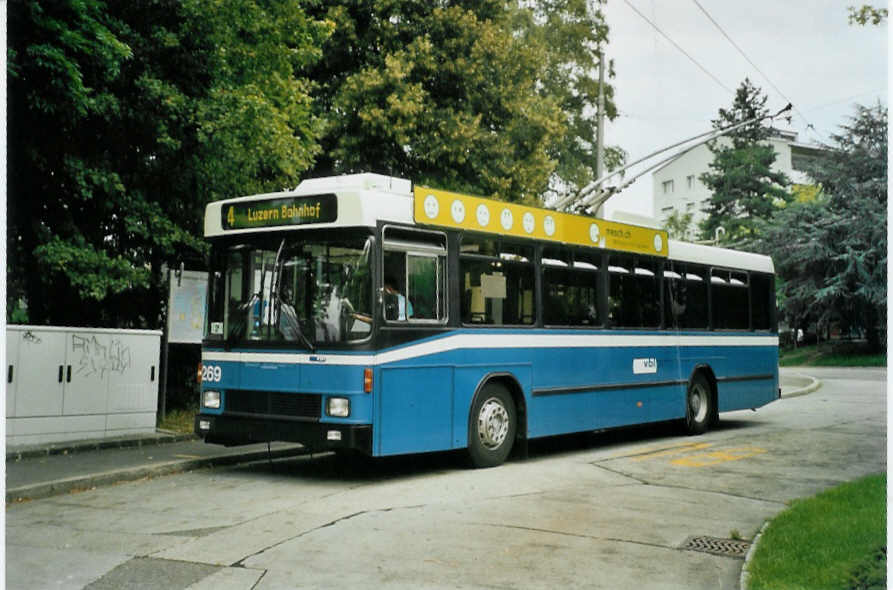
(744, 186)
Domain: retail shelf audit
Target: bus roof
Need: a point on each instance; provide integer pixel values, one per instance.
(713, 256)
(365, 199)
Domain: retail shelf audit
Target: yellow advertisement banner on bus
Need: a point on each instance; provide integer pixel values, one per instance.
(447, 209)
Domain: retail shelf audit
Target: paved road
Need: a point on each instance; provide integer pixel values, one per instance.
(608, 510)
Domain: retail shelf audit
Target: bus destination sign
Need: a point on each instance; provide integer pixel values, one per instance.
(279, 212)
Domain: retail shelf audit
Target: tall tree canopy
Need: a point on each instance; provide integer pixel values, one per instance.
(488, 97)
(124, 118)
(831, 253)
(743, 184)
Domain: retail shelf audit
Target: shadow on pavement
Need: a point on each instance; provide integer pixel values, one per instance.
(358, 468)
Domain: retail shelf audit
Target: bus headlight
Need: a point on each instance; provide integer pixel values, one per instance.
(211, 400)
(338, 407)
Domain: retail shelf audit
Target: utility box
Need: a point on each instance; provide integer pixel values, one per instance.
(65, 384)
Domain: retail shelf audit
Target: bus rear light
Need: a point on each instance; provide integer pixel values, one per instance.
(367, 380)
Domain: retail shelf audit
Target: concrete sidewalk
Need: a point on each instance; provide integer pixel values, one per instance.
(42, 471)
(60, 469)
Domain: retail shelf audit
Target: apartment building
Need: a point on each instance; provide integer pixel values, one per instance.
(677, 184)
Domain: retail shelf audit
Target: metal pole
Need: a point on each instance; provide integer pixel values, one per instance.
(600, 148)
(162, 387)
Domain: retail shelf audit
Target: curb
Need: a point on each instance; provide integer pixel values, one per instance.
(96, 445)
(744, 579)
(811, 384)
(86, 482)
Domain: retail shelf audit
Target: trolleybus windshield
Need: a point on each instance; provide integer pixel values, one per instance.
(296, 291)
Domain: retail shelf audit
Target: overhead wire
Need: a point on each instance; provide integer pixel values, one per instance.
(677, 46)
(809, 125)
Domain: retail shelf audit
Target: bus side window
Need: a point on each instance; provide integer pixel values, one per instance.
(498, 282)
(730, 309)
(695, 288)
(570, 288)
(426, 286)
(394, 286)
(634, 296)
(674, 296)
(413, 275)
(414, 286)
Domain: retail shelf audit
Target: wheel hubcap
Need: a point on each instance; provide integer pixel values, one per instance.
(493, 423)
(697, 404)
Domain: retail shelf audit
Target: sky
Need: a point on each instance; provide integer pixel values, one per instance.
(806, 48)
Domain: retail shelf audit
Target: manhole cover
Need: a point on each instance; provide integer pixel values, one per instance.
(714, 546)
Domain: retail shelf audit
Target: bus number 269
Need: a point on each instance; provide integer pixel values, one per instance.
(211, 373)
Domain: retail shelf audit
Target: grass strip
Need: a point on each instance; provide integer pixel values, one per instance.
(835, 540)
(813, 356)
(178, 421)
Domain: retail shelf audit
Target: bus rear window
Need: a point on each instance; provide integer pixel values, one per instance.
(762, 301)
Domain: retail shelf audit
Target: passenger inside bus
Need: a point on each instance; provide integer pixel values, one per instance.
(396, 305)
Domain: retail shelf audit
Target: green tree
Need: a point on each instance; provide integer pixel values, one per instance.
(744, 186)
(680, 226)
(832, 252)
(62, 59)
(474, 96)
(571, 35)
(867, 14)
(124, 119)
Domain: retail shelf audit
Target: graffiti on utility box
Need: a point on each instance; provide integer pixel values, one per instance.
(95, 358)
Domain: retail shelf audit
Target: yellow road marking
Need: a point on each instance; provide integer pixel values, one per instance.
(665, 452)
(719, 456)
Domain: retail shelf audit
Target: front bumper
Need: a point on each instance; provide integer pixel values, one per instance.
(237, 430)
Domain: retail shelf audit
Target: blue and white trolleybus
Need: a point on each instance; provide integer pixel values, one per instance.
(363, 313)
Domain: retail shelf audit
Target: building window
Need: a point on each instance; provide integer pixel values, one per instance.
(691, 181)
(668, 187)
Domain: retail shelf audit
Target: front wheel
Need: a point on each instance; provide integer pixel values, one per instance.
(699, 408)
(492, 426)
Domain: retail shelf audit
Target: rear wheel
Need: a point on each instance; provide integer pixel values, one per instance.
(492, 426)
(699, 405)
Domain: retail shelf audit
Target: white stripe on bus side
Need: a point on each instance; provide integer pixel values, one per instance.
(478, 341)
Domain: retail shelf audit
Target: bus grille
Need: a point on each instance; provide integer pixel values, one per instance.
(273, 403)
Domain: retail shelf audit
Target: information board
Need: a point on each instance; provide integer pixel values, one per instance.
(186, 307)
